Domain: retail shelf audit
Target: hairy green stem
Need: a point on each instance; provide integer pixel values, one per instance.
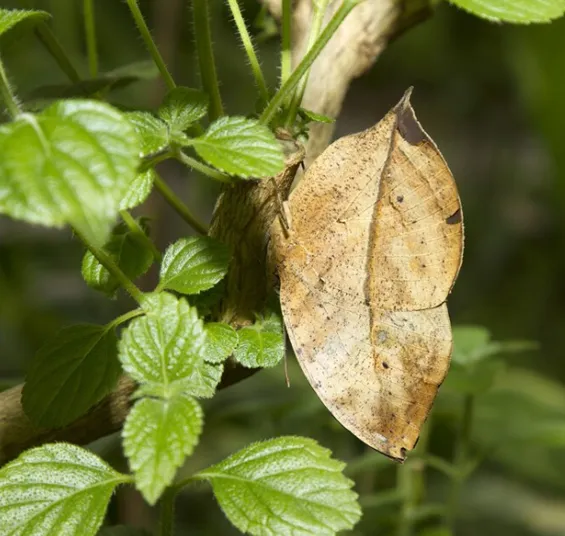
(150, 44)
(203, 168)
(124, 318)
(250, 51)
(286, 36)
(8, 95)
(136, 229)
(206, 62)
(90, 31)
(105, 260)
(461, 458)
(286, 90)
(179, 206)
(319, 13)
(167, 512)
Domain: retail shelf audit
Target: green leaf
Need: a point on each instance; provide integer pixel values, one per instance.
(194, 264)
(158, 435)
(153, 132)
(221, 340)
(288, 485)
(472, 344)
(165, 349)
(313, 116)
(182, 107)
(139, 190)
(73, 164)
(262, 344)
(516, 11)
(11, 17)
(241, 147)
(128, 250)
(55, 489)
(70, 374)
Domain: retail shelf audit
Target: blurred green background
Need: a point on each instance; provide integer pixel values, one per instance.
(491, 97)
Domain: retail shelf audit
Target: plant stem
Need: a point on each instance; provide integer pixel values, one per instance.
(320, 11)
(179, 206)
(150, 44)
(461, 458)
(51, 43)
(203, 168)
(206, 62)
(105, 260)
(250, 51)
(136, 229)
(286, 56)
(124, 318)
(411, 483)
(167, 512)
(8, 96)
(90, 31)
(285, 91)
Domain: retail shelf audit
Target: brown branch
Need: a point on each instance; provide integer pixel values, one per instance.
(244, 212)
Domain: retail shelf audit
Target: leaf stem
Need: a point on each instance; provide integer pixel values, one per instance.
(90, 32)
(203, 168)
(286, 56)
(461, 457)
(206, 62)
(136, 229)
(179, 206)
(105, 260)
(167, 512)
(285, 91)
(250, 51)
(319, 13)
(124, 318)
(150, 44)
(8, 95)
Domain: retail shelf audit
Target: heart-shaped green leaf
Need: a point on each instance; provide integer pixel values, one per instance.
(139, 190)
(55, 489)
(288, 485)
(158, 435)
(70, 374)
(194, 264)
(241, 147)
(153, 132)
(73, 163)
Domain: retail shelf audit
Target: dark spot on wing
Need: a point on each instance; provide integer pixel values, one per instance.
(408, 126)
(385, 365)
(454, 218)
(400, 198)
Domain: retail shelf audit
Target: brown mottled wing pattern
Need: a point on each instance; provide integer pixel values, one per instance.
(373, 342)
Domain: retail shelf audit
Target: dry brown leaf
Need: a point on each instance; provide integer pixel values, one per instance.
(375, 246)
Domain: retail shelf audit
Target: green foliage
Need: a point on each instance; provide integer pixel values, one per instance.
(153, 132)
(182, 107)
(70, 374)
(55, 489)
(221, 340)
(240, 147)
(262, 344)
(163, 350)
(192, 265)
(288, 485)
(128, 250)
(9, 18)
(139, 191)
(515, 11)
(158, 435)
(46, 184)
